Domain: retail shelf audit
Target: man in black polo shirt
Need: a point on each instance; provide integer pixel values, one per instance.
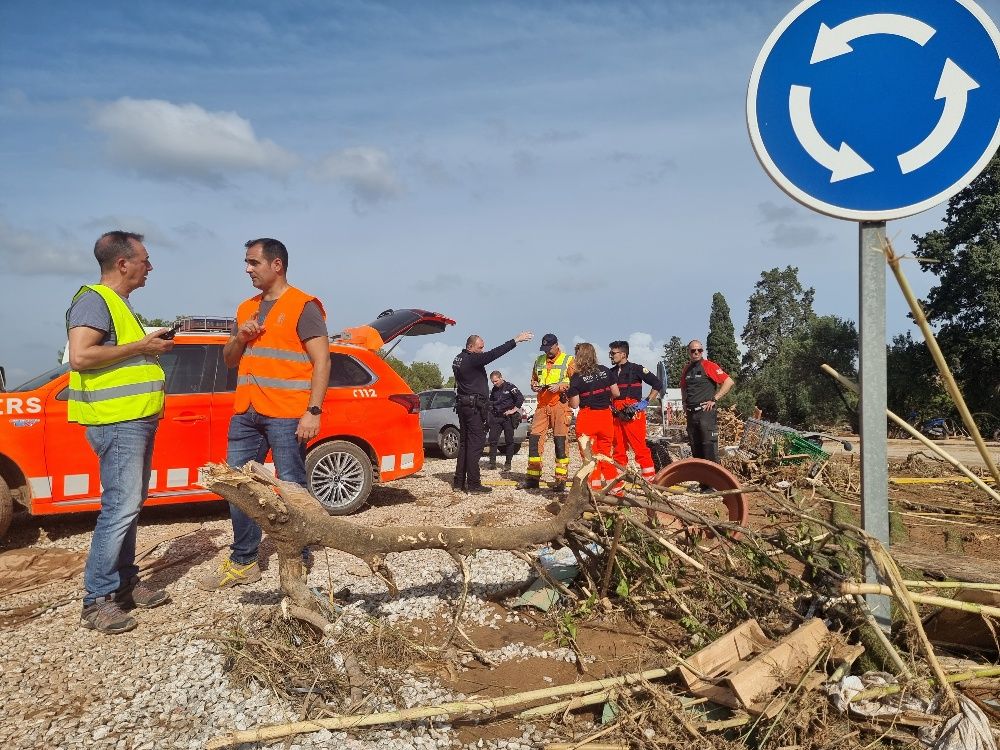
(473, 395)
(703, 383)
(505, 405)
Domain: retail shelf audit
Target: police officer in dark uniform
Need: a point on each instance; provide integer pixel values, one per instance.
(473, 394)
(504, 416)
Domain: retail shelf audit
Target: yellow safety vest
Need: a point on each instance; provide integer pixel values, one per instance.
(556, 375)
(126, 390)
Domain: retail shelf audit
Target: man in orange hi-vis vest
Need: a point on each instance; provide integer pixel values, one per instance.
(282, 351)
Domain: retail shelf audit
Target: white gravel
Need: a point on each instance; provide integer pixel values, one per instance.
(163, 686)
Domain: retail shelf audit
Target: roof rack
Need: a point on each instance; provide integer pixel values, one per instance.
(207, 323)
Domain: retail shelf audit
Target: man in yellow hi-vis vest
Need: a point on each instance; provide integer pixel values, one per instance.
(116, 390)
(550, 380)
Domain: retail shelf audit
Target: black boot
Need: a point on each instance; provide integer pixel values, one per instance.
(531, 483)
(492, 464)
(559, 486)
(507, 467)
(478, 489)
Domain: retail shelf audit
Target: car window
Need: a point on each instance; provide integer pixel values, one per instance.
(443, 400)
(225, 377)
(425, 401)
(40, 380)
(184, 367)
(346, 371)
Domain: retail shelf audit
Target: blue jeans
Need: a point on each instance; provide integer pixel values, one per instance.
(125, 452)
(251, 435)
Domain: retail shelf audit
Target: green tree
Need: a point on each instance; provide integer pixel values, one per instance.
(675, 354)
(791, 389)
(154, 322)
(450, 382)
(424, 376)
(965, 303)
(913, 385)
(420, 376)
(721, 342)
(778, 309)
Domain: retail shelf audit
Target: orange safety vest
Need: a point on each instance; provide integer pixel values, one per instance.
(275, 373)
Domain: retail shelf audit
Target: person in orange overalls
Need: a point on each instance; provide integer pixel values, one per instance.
(629, 408)
(591, 388)
(550, 380)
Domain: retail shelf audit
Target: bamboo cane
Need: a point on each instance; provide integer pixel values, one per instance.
(883, 690)
(916, 434)
(949, 381)
(454, 708)
(940, 601)
(952, 585)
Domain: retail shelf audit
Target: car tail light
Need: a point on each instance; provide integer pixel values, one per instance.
(409, 401)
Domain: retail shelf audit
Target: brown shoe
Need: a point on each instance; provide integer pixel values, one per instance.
(138, 594)
(106, 616)
(228, 575)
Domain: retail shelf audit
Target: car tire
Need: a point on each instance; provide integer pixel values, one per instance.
(448, 442)
(6, 507)
(340, 476)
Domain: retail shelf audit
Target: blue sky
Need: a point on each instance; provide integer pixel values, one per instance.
(580, 168)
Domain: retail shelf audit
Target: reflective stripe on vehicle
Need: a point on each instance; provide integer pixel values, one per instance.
(286, 385)
(76, 484)
(263, 352)
(40, 486)
(177, 478)
(406, 461)
(118, 391)
(388, 463)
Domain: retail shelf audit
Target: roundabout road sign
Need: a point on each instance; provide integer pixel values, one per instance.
(876, 109)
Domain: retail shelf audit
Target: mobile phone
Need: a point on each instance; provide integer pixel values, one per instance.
(171, 332)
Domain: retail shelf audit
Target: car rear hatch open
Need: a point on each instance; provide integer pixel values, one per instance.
(393, 324)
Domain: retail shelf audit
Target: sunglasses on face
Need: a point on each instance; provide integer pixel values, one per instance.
(694, 351)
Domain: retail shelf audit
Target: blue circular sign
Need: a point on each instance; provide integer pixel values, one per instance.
(876, 109)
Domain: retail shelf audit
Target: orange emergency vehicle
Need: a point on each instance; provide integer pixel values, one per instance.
(369, 431)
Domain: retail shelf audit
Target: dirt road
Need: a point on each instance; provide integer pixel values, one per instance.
(964, 450)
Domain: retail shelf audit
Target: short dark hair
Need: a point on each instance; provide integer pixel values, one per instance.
(497, 373)
(111, 246)
(623, 345)
(271, 249)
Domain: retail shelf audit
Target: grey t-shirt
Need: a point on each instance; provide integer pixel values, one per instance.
(92, 311)
(310, 325)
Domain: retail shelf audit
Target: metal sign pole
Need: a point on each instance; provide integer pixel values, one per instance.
(874, 463)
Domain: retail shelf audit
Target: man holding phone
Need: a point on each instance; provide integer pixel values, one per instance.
(116, 390)
(282, 350)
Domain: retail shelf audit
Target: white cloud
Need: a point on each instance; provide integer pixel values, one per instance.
(183, 141)
(439, 353)
(25, 253)
(642, 348)
(367, 172)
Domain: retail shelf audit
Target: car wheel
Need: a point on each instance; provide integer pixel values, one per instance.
(448, 442)
(340, 476)
(6, 507)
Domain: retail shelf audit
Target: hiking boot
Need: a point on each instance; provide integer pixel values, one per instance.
(478, 489)
(138, 594)
(531, 483)
(507, 468)
(492, 464)
(559, 487)
(457, 487)
(228, 575)
(106, 616)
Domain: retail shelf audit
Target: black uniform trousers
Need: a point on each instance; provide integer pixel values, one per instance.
(504, 423)
(471, 441)
(703, 432)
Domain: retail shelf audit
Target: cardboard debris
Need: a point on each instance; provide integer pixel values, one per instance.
(744, 667)
(958, 629)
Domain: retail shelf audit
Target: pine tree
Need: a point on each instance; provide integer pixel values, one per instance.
(778, 309)
(965, 303)
(675, 354)
(721, 342)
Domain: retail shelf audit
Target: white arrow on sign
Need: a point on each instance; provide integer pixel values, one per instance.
(954, 88)
(844, 162)
(837, 41)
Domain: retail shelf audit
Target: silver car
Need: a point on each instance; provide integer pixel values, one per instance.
(439, 422)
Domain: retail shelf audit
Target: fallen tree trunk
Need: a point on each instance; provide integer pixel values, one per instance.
(957, 567)
(294, 519)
